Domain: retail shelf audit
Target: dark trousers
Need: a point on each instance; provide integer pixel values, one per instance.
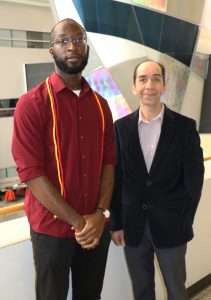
(55, 257)
(140, 263)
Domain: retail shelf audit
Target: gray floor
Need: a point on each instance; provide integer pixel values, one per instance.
(204, 295)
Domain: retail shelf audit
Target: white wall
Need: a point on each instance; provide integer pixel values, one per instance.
(21, 17)
(198, 254)
(6, 128)
(13, 85)
(206, 143)
(17, 272)
(12, 60)
(25, 17)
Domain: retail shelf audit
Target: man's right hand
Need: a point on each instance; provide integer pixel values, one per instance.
(118, 238)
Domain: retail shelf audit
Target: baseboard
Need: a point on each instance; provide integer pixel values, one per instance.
(199, 285)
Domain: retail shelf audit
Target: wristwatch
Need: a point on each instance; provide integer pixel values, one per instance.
(104, 211)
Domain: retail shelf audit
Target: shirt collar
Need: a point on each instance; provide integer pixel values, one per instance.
(58, 84)
(159, 116)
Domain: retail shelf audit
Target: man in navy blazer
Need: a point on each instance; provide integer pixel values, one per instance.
(159, 178)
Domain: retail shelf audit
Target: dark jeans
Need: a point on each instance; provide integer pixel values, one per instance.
(55, 257)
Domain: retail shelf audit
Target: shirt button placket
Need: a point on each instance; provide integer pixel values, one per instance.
(83, 157)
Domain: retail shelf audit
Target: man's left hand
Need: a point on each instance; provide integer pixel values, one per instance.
(89, 236)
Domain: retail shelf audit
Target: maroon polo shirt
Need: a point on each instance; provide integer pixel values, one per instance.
(80, 139)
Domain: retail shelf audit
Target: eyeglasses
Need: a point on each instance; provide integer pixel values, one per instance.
(65, 41)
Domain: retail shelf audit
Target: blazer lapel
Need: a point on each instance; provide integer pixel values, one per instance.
(167, 131)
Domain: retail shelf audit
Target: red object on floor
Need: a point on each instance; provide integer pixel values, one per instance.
(9, 195)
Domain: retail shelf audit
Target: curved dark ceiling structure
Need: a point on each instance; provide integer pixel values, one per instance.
(166, 34)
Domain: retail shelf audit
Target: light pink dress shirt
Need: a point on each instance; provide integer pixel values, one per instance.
(149, 134)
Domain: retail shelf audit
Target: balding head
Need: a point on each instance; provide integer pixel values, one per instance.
(159, 64)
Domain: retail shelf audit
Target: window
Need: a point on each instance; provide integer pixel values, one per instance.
(24, 39)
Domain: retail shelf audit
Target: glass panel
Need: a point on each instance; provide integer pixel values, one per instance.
(46, 45)
(19, 44)
(3, 173)
(24, 39)
(180, 46)
(5, 43)
(19, 35)
(19, 39)
(141, 25)
(5, 38)
(46, 36)
(177, 76)
(200, 63)
(31, 39)
(5, 34)
(102, 82)
(8, 103)
(11, 172)
(33, 35)
(31, 44)
(7, 107)
(150, 24)
(38, 40)
(38, 45)
(115, 18)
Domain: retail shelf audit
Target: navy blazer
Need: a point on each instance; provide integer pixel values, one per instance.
(168, 195)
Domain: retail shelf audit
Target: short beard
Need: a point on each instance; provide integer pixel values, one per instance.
(62, 65)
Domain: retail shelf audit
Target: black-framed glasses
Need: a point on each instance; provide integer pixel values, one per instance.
(65, 41)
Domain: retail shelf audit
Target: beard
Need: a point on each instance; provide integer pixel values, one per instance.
(63, 66)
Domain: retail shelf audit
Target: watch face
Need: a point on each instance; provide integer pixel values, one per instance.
(106, 213)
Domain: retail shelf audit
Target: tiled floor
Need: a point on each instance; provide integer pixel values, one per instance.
(204, 295)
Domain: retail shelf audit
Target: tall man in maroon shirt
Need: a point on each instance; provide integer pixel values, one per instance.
(63, 146)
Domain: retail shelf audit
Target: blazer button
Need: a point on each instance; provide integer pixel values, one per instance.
(144, 206)
(148, 183)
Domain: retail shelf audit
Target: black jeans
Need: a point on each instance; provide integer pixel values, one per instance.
(55, 257)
